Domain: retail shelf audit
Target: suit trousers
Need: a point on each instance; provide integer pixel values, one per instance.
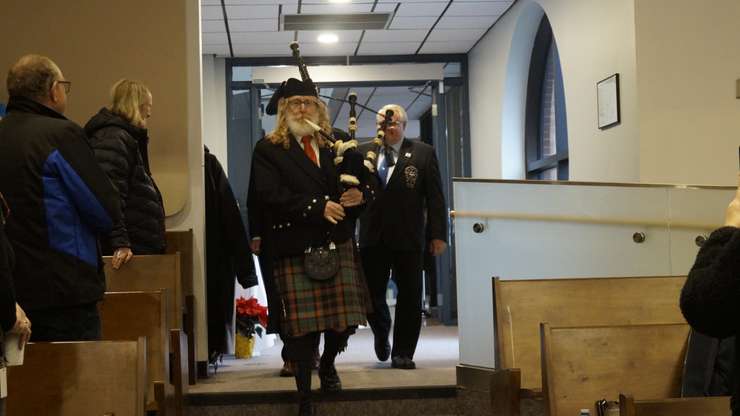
(377, 262)
(72, 323)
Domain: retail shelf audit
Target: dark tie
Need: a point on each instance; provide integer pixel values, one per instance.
(390, 162)
(308, 149)
(386, 164)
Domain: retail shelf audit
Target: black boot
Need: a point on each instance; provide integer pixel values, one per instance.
(330, 382)
(334, 343)
(303, 384)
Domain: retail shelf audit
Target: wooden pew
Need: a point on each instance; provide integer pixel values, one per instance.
(182, 242)
(150, 273)
(160, 272)
(79, 379)
(581, 365)
(179, 343)
(130, 315)
(690, 406)
(521, 305)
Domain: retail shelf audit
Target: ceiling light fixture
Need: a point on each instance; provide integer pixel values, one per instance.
(328, 38)
(340, 1)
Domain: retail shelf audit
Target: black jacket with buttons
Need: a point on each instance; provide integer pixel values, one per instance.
(411, 209)
(295, 191)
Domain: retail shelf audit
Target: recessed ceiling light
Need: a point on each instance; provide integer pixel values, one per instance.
(328, 38)
(340, 1)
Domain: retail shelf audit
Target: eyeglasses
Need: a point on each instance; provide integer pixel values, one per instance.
(299, 103)
(67, 85)
(394, 123)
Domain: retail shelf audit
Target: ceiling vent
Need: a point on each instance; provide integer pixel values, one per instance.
(354, 21)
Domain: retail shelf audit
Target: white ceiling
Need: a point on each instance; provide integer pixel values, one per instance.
(417, 27)
(416, 100)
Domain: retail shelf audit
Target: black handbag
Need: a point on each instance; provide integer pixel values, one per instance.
(321, 263)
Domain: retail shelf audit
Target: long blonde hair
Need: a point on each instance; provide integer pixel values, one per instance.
(281, 133)
(127, 97)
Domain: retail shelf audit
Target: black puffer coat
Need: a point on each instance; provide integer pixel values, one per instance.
(121, 150)
(710, 299)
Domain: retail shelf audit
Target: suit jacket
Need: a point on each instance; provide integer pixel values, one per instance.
(411, 208)
(295, 191)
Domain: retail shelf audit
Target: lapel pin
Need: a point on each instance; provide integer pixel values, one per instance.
(408, 155)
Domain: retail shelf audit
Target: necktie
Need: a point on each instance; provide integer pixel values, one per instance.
(385, 164)
(390, 162)
(308, 149)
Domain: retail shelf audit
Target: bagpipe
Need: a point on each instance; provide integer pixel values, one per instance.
(353, 167)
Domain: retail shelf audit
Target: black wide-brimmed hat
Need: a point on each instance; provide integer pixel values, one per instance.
(290, 88)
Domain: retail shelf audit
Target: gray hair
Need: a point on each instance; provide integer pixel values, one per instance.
(32, 76)
(397, 110)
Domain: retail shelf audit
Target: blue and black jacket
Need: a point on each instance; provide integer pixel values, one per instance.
(61, 202)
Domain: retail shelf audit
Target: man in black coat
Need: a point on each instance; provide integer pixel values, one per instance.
(296, 179)
(62, 202)
(409, 206)
(228, 255)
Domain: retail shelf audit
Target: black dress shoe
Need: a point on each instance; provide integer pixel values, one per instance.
(330, 382)
(287, 370)
(403, 363)
(382, 348)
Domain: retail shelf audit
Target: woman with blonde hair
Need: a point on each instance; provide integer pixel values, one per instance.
(119, 138)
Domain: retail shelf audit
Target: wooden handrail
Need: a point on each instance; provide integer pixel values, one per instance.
(581, 220)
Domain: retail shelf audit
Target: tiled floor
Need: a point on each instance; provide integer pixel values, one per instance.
(436, 357)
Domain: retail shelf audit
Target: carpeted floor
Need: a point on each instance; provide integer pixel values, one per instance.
(436, 357)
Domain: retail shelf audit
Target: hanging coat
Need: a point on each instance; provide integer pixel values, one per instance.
(228, 255)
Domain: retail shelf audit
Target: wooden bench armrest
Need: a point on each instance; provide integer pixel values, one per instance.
(626, 405)
(505, 389)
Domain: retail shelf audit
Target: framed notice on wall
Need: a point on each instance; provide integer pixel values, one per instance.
(607, 95)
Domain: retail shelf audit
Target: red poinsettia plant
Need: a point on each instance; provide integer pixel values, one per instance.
(251, 317)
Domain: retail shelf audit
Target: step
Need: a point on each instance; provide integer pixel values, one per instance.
(406, 401)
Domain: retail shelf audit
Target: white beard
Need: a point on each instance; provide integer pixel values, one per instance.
(299, 129)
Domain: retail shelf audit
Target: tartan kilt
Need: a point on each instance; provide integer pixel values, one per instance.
(313, 306)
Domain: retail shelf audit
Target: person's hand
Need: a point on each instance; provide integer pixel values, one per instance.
(732, 215)
(22, 326)
(255, 245)
(437, 247)
(352, 197)
(333, 212)
(121, 256)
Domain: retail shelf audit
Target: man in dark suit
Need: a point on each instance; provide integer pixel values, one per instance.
(407, 217)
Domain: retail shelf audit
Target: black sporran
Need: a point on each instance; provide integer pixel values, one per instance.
(321, 263)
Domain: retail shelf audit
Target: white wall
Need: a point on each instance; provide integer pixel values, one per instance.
(595, 39)
(214, 107)
(192, 216)
(687, 64)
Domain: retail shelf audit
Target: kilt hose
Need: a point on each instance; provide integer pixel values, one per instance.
(313, 306)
